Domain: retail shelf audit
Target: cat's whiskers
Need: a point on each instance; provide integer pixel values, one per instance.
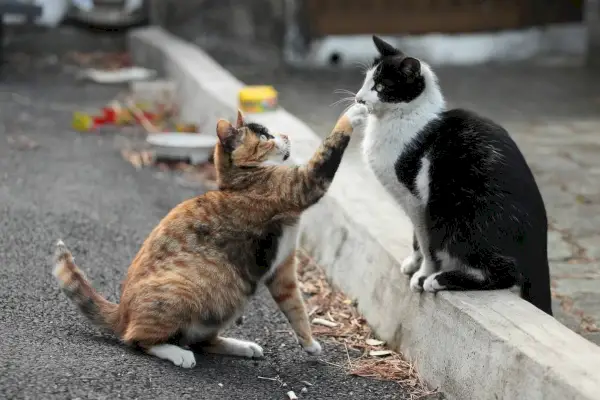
(342, 100)
(362, 65)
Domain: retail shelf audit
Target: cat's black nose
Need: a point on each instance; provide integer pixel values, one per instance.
(361, 102)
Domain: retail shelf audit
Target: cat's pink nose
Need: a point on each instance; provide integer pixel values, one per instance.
(284, 137)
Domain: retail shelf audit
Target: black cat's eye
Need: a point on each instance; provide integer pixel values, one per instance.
(379, 87)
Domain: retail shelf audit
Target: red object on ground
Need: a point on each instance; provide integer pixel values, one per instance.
(110, 115)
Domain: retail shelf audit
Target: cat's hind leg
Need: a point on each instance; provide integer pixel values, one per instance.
(284, 289)
(411, 264)
(453, 280)
(496, 273)
(233, 347)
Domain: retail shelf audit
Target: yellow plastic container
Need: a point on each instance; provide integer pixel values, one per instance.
(257, 99)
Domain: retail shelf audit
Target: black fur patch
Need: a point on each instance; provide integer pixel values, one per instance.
(400, 81)
(259, 129)
(331, 159)
(484, 207)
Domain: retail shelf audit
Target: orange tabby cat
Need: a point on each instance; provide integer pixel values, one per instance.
(198, 267)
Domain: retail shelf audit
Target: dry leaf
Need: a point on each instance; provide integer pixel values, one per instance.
(133, 157)
(374, 342)
(380, 353)
(324, 322)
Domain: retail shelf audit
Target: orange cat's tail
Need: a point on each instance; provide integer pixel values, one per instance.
(75, 285)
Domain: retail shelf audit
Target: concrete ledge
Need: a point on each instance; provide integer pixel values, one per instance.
(480, 346)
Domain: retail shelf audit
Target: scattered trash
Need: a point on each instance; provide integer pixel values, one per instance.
(380, 353)
(122, 75)
(291, 395)
(138, 159)
(374, 342)
(353, 332)
(324, 322)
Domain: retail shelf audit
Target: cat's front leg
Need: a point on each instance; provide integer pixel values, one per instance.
(284, 289)
(428, 267)
(412, 263)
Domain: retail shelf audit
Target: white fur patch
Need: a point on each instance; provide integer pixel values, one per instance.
(314, 349)
(449, 263)
(287, 244)
(427, 268)
(175, 354)
(431, 284)
(422, 181)
(411, 263)
(277, 157)
(236, 347)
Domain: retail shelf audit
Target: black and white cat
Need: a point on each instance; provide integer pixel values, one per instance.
(479, 218)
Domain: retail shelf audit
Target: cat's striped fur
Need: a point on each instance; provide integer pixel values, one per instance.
(199, 266)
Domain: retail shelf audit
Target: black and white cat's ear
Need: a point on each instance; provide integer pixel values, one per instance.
(384, 48)
(226, 134)
(411, 67)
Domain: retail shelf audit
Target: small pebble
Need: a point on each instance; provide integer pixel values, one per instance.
(304, 390)
(220, 385)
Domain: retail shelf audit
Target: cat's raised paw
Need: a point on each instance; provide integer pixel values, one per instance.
(314, 349)
(431, 284)
(411, 264)
(357, 114)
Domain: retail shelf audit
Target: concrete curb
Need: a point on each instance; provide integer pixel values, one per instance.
(480, 346)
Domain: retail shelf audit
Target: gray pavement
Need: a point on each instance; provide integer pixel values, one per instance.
(55, 183)
(554, 115)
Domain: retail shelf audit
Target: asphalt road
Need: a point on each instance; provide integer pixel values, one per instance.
(77, 187)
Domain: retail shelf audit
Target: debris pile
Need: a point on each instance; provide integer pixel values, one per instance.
(335, 316)
(159, 116)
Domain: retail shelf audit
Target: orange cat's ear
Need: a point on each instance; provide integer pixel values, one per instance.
(240, 119)
(225, 132)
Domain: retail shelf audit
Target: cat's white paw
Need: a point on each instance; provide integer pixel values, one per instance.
(314, 349)
(431, 283)
(357, 114)
(416, 281)
(252, 350)
(411, 263)
(178, 356)
(188, 360)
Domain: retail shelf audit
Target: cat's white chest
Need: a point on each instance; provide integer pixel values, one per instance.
(287, 244)
(381, 148)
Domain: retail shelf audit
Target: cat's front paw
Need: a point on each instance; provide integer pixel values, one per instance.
(417, 280)
(314, 348)
(411, 264)
(357, 114)
(431, 284)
